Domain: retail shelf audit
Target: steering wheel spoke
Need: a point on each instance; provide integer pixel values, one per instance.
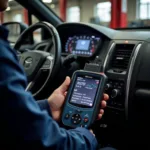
(19, 56)
(48, 63)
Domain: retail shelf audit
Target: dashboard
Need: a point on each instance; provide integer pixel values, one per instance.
(81, 42)
(124, 56)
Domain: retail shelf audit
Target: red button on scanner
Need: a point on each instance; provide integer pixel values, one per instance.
(86, 120)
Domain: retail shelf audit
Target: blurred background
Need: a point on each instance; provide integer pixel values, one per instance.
(110, 13)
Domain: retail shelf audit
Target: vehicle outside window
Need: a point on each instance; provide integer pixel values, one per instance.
(103, 11)
(98, 12)
(143, 9)
(16, 13)
(73, 14)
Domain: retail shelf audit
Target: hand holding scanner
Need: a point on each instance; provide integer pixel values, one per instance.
(83, 100)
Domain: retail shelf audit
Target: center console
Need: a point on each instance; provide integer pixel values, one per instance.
(115, 89)
(117, 67)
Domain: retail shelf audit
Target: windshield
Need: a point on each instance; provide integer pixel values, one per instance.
(121, 14)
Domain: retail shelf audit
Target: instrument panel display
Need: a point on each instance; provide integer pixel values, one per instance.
(82, 45)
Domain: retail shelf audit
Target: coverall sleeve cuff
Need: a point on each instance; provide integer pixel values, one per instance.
(43, 104)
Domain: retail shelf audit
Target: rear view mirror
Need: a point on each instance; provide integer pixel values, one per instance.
(15, 29)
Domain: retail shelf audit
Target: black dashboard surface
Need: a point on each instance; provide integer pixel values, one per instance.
(110, 33)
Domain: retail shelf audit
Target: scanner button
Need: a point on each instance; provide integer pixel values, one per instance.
(70, 112)
(77, 115)
(76, 119)
(75, 122)
(85, 126)
(86, 120)
(67, 116)
(78, 111)
(82, 126)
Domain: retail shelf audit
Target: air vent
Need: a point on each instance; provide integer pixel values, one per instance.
(121, 57)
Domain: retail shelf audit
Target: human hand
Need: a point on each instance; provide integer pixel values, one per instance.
(92, 132)
(57, 99)
(103, 105)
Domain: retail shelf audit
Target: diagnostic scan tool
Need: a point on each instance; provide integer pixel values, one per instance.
(83, 100)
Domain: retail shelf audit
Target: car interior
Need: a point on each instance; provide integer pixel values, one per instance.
(123, 54)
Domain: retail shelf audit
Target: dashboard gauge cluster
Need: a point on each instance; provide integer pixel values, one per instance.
(82, 45)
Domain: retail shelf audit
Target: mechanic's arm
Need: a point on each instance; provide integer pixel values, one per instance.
(25, 121)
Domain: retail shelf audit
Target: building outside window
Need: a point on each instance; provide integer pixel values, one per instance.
(73, 14)
(103, 11)
(143, 11)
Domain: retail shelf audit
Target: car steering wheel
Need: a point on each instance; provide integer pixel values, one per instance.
(40, 67)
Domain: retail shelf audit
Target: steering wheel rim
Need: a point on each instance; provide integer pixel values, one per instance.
(55, 60)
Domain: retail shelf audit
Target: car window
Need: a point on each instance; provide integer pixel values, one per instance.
(125, 13)
(82, 11)
(15, 12)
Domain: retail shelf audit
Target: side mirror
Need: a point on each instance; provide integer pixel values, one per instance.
(15, 29)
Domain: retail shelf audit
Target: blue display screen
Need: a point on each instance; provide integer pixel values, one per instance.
(83, 45)
(84, 91)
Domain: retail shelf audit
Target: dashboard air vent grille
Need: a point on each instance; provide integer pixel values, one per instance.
(122, 55)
